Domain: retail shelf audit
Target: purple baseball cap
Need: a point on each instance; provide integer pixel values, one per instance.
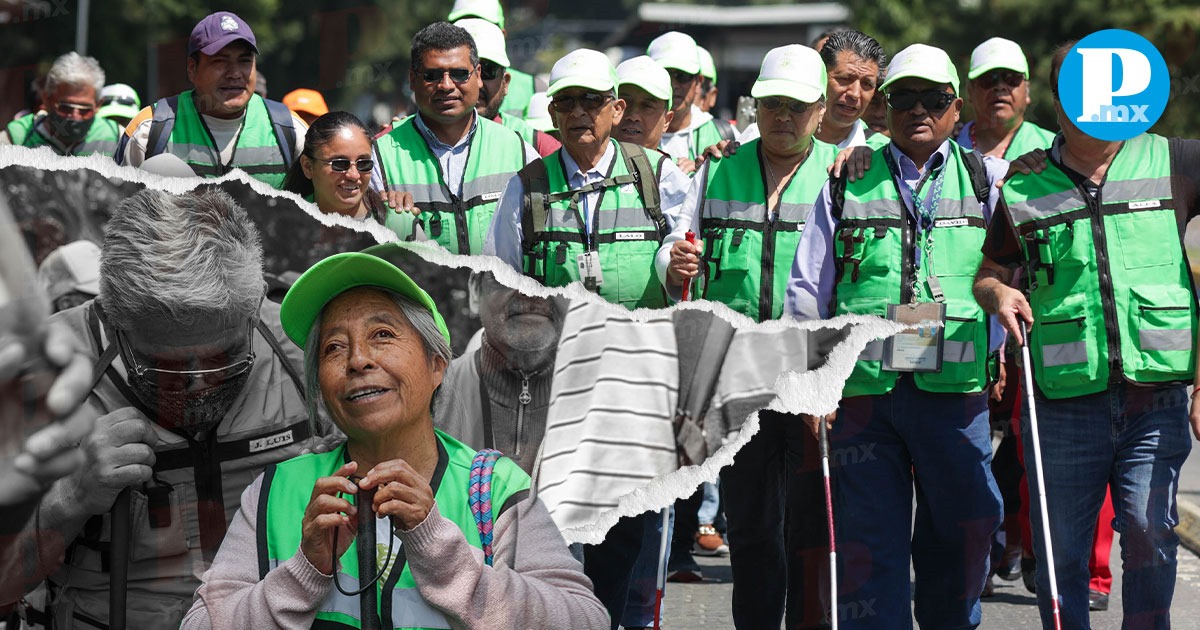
(217, 31)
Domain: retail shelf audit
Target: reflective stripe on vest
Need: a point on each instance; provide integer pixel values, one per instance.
(749, 257)
(458, 224)
(1108, 280)
(287, 488)
(257, 151)
(626, 237)
(873, 250)
(102, 137)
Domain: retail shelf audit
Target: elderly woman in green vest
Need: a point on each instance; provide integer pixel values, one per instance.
(376, 350)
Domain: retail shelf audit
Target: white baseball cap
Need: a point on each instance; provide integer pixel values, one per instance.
(794, 71)
(489, 40)
(585, 68)
(998, 52)
(923, 62)
(707, 67)
(645, 73)
(675, 50)
(489, 10)
(537, 113)
(72, 267)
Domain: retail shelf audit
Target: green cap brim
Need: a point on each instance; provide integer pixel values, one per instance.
(118, 110)
(984, 69)
(790, 89)
(922, 74)
(339, 273)
(596, 84)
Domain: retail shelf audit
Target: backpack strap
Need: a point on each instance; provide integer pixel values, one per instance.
(161, 126)
(285, 130)
(703, 340)
(536, 209)
(479, 497)
(837, 194)
(978, 172)
(644, 177)
(725, 129)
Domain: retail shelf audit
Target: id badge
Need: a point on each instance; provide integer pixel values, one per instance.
(589, 270)
(919, 347)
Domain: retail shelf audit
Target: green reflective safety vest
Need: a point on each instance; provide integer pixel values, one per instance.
(460, 224)
(257, 151)
(705, 136)
(1028, 137)
(102, 137)
(748, 255)
(517, 124)
(627, 227)
(873, 254)
(1108, 280)
(876, 139)
(520, 89)
(287, 488)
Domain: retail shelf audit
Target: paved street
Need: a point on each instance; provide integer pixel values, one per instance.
(707, 604)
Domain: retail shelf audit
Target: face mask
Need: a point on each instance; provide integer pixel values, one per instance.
(69, 131)
(191, 411)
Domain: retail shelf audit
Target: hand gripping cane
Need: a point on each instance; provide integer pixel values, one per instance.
(1027, 368)
(687, 282)
(833, 591)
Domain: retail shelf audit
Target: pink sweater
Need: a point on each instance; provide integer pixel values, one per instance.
(535, 582)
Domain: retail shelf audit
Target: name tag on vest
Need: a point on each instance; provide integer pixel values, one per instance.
(272, 441)
(492, 196)
(1144, 205)
(950, 223)
(631, 236)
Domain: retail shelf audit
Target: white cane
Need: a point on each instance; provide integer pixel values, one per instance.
(1038, 478)
(824, 433)
(661, 578)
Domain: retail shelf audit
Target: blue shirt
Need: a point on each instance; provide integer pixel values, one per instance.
(810, 285)
(504, 236)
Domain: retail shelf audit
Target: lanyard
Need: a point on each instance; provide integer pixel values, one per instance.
(590, 229)
(926, 212)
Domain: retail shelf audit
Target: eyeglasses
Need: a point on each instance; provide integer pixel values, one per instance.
(934, 101)
(173, 379)
(489, 70)
(590, 101)
(679, 76)
(341, 165)
(995, 77)
(119, 100)
(457, 75)
(66, 109)
(773, 103)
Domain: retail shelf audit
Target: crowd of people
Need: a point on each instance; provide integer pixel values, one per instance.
(223, 459)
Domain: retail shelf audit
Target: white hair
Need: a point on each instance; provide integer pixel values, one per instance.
(185, 258)
(75, 69)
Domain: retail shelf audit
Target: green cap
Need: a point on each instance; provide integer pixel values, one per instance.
(707, 67)
(489, 10)
(922, 62)
(339, 273)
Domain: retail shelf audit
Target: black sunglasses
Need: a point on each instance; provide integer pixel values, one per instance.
(457, 75)
(122, 100)
(934, 101)
(590, 101)
(341, 165)
(773, 103)
(489, 70)
(995, 77)
(679, 76)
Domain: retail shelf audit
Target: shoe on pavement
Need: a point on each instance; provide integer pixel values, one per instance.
(989, 588)
(709, 543)
(1097, 600)
(685, 576)
(1029, 574)
(1012, 567)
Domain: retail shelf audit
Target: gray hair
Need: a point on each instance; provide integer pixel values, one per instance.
(75, 69)
(422, 322)
(186, 258)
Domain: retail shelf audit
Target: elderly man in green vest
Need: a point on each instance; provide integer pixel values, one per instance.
(1109, 298)
(69, 124)
(497, 76)
(902, 243)
(220, 124)
(999, 92)
(595, 211)
(452, 162)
